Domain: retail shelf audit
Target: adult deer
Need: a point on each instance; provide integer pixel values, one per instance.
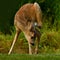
(24, 21)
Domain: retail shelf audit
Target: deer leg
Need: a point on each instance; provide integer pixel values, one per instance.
(37, 41)
(15, 38)
(30, 49)
(37, 46)
(30, 42)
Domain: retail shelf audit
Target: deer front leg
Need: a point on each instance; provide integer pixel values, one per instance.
(30, 49)
(37, 47)
(37, 41)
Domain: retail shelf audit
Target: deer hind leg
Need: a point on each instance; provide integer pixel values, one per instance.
(15, 38)
(37, 41)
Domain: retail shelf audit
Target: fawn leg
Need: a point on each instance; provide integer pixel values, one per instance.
(37, 41)
(30, 49)
(15, 38)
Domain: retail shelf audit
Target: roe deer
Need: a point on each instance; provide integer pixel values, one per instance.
(24, 21)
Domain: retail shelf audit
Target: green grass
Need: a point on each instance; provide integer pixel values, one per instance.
(49, 43)
(49, 48)
(30, 57)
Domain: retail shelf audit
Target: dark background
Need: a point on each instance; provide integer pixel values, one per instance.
(8, 8)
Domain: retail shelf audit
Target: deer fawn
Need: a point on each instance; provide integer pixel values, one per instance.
(24, 21)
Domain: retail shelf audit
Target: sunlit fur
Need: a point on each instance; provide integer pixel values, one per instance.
(24, 20)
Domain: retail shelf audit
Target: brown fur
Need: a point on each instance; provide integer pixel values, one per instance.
(24, 19)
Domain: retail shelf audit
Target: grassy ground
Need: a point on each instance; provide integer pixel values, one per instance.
(30, 57)
(49, 43)
(49, 48)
